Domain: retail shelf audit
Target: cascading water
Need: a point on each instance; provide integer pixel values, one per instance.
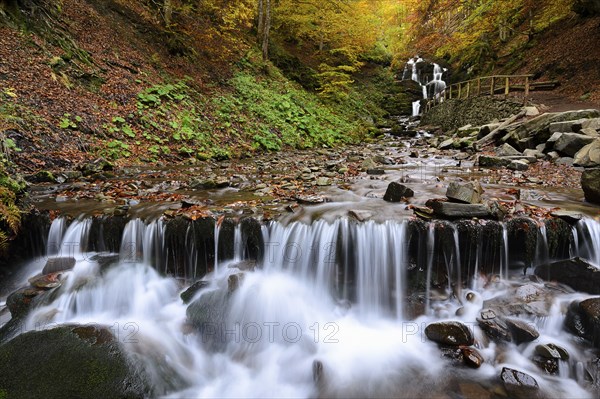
(431, 88)
(327, 296)
(590, 232)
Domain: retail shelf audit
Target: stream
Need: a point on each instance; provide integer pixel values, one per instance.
(331, 300)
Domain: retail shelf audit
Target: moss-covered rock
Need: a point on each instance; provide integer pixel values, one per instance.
(69, 361)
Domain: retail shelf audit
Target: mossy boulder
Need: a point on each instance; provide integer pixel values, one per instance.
(69, 361)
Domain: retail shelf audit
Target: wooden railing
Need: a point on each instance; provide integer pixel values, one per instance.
(490, 85)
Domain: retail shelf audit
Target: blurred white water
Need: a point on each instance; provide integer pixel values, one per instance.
(291, 312)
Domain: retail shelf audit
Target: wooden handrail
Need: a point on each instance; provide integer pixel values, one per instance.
(498, 84)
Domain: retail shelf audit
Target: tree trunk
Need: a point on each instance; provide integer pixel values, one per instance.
(267, 28)
(261, 22)
(168, 11)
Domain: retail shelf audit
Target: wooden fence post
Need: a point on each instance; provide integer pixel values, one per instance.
(526, 86)
(492, 84)
(507, 87)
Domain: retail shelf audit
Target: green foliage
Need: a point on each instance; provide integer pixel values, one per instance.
(115, 149)
(67, 123)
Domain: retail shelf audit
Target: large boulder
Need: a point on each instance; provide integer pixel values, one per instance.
(396, 191)
(537, 130)
(507, 150)
(577, 273)
(570, 143)
(488, 161)
(589, 155)
(70, 361)
(583, 319)
(466, 193)
(590, 184)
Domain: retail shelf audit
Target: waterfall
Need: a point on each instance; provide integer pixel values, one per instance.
(590, 244)
(332, 293)
(57, 231)
(431, 88)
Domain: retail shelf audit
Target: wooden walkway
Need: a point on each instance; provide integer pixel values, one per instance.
(490, 86)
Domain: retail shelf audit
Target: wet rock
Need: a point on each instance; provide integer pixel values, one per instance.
(105, 260)
(396, 191)
(323, 181)
(589, 155)
(527, 292)
(450, 210)
(472, 357)
(360, 215)
(452, 353)
(375, 172)
(451, 333)
(58, 264)
(310, 199)
(187, 295)
(488, 161)
(583, 319)
(206, 315)
(521, 331)
(317, 371)
(494, 326)
(467, 193)
(506, 150)
(550, 366)
(590, 184)
(380, 159)
(518, 165)
(577, 273)
(446, 144)
(46, 281)
(43, 176)
(551, 351)
(519, 384)
(570, 143)
(571, 217)
(74, 361)
(97, 166)
(21, 301)
(234, 282)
